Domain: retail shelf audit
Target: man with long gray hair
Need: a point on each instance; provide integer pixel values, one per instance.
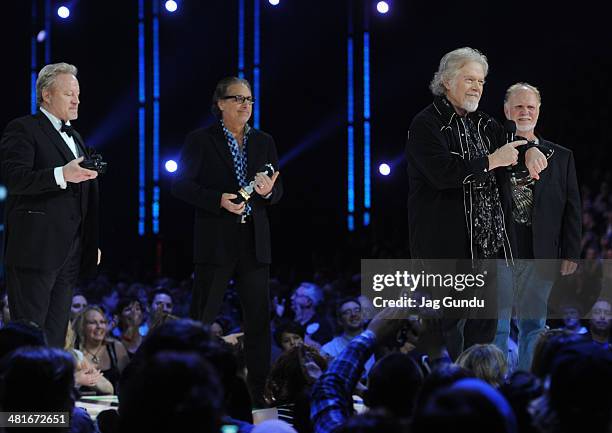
(455, 210)
(52, 205)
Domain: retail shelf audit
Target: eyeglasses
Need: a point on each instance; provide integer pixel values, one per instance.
(241, 99)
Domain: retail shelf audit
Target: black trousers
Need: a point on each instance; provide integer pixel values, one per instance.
(44, 297)
(252, 284)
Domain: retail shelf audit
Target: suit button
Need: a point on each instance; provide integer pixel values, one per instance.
(72, 217)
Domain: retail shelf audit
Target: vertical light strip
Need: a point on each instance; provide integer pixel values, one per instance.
(141, 121)
(141, 172)
(48, 13)
(366, 130)
(155, 205)
(241, 38)
(256, 64)
(351, 137)
(33, 57)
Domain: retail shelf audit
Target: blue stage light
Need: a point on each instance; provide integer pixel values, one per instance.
(382, 7)
(171, 166)
(384, 169)
(63, 12)
(171, 6)
(41, 36)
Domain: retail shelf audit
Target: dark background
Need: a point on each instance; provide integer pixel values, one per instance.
(565, 51)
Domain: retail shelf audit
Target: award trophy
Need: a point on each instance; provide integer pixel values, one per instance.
(244, 194)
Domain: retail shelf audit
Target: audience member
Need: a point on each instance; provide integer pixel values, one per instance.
(109, 356)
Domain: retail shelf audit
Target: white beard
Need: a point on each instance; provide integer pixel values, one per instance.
(470, 106)
(525, 128)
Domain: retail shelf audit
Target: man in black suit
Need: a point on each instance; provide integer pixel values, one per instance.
(52, 207)
(232, 240)
(546, 226)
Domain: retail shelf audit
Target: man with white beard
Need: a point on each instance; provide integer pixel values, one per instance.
(546, 227)
(454, 205)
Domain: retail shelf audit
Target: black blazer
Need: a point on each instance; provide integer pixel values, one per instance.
(557, 215)
(207, 171)
(41, 219)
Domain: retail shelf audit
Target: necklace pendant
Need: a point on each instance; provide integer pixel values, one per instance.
(94, 359)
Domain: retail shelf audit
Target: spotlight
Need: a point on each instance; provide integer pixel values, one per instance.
(171, 166)
(3, 193)
(274, 2)
(63, 12)
(41, 36)
(384, 169)
(382, 7)
(171, 6)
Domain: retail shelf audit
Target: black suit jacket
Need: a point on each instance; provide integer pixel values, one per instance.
(557, 220)
(206, 172)
(41, 219)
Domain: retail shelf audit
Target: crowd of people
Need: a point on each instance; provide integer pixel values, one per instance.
(333, 355)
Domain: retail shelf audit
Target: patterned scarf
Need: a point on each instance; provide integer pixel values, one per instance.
(240, 157)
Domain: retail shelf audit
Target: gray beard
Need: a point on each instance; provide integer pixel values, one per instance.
(524, 128)
(470, 106)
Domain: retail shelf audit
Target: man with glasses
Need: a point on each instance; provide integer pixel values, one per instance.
(232, 241)
(350, 319)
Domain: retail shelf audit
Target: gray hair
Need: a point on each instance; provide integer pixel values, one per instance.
(221, 91)
(47, 76)
(522, 86)
(450, 65)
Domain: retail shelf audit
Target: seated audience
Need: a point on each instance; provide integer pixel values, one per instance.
(350, 320)
(109, 356)
(172, 392)
(304, 302)
(41, 379)
(394, 381)
(486, 361)
(600, 323)
(469, 405)
(130, 317)
(288, 335)
(289, 383)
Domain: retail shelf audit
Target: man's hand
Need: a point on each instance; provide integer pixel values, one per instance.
(536, 162)
(74, 173)
(505, 155)
(387, 323)
(265, 183)
(226, 203)
(568, 267)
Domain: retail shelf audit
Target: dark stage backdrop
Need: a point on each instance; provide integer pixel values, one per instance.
(565, 51)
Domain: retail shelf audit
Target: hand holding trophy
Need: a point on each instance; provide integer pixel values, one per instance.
(244, 194)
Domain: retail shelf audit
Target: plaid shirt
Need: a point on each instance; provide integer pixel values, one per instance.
(332, 402)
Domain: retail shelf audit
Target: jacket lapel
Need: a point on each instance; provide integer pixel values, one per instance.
(54, 136)
(81, 145)
(253, 155)
(222, 147)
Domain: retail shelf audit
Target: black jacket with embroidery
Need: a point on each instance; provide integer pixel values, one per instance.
(441, 176)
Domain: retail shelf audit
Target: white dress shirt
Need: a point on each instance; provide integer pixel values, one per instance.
(57, 124)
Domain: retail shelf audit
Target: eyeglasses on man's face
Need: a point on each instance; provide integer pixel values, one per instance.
(241, 99)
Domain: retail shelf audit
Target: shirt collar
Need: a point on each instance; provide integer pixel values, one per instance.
(247, 129)
(56, 122)
(447, 111)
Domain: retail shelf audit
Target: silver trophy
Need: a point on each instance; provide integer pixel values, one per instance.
(244, 194)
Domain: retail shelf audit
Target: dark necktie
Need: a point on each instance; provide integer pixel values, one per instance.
(66, 128)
